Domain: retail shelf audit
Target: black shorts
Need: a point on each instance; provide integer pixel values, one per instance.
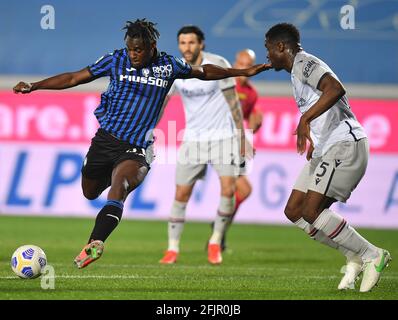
(106, 152)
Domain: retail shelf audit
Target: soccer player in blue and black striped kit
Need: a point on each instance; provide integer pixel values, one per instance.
(119, 155)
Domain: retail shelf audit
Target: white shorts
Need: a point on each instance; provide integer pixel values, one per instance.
(194, 156)
(337, 173)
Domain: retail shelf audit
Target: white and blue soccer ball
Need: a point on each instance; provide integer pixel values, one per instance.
(28, 261)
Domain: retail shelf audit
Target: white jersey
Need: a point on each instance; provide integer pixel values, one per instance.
(336, 124)
(207, 113)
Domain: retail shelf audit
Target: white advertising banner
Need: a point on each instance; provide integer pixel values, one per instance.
(43, 146)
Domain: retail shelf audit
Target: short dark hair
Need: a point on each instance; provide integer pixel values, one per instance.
(143, 29)
(285, 32)
(192, 29)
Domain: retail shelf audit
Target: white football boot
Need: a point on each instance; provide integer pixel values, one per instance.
(351, 271)
(372, 270)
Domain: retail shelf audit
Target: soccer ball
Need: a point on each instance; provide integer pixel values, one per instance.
(28, 261)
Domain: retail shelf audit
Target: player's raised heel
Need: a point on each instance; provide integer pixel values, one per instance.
(351, 271)
(372, 270)
(169, 257)
(91, 252)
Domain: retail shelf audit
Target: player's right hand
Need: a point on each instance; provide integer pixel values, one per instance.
(303, 134)
(309, 152)
(22, 87)
(258, 68)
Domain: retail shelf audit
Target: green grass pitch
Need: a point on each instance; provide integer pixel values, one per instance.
(263, 262)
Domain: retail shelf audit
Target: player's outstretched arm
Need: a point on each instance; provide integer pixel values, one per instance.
(213, 72)
(58, 82)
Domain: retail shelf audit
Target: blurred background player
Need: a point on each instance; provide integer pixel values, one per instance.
(246, 91)
(213, 115)
(248, 97)
(338, 156)
(120, 155)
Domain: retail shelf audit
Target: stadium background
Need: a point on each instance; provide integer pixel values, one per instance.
(44, 136)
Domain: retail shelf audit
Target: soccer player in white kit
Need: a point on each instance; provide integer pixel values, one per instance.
(338, 156)
(213, 113)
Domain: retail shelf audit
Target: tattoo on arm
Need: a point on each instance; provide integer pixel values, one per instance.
(234, 105)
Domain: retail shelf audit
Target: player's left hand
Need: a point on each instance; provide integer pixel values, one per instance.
(303, 134)
(249, 150)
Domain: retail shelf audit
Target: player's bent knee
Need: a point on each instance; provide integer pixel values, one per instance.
(90, 195)
(183, 192)
(182, 195)
(293, 213)
(182, 198)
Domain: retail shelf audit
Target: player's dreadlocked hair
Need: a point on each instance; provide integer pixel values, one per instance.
(142, 29)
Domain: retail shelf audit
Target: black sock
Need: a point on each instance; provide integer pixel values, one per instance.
(107, 220)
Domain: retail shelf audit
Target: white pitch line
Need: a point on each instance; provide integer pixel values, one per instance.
(179, 277)
(63, 276)
(179, 266)
(195, 267)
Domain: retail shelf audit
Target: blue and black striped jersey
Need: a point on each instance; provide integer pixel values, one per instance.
(131, 105)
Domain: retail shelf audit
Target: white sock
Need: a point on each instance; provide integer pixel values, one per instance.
(337, 229)
(223, 219)
(176, 224)
(321, 237)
